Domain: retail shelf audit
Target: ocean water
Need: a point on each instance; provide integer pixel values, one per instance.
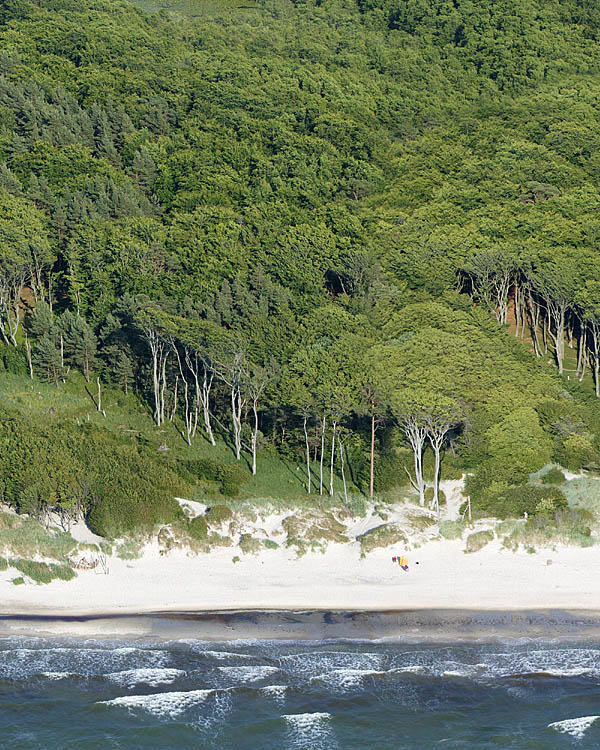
(86, 694)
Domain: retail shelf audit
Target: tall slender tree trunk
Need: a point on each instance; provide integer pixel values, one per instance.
(332, 458)
(342, 465)
(254, 434)
(323, 422)
(372, 467)
(308, 474)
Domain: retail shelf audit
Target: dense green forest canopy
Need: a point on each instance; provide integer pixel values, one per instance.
(320, 226)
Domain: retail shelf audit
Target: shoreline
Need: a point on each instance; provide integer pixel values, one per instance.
(411, 625)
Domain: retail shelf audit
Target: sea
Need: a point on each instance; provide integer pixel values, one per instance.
(77, 694)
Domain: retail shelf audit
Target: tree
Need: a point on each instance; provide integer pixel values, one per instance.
(80, 343)
(25, 252)
(442, 414)
(47, 360)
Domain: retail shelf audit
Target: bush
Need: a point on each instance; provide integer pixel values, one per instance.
(229, 477)
(387, 472)
(270, 544)
(478, 540)
(13, 359)
(218, 514)
(514, 502)
(451, 529)
(577, 451)
(381, 536)
(429, 496)
(43, 572)
(250, 545)
(198, 529)
(553, 476)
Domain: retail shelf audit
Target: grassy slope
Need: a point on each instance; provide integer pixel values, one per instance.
(276, 478)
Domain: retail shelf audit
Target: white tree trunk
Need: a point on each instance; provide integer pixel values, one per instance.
(322, 455)
(332, 459)
(254, 434)
(307, 453)
(341, 450)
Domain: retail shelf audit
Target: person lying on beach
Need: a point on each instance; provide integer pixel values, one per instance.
(402, 562)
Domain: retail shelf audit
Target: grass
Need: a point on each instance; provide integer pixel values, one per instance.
(43, 572)
(25, 537)
(313, 529)
(129, 549)
(478, 540)
(278, 479)
(583, 492)
(451, 529)
(381, 536)
(571, 526)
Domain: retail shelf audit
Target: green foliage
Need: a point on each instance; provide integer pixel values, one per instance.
(553, 476)
(565, 526)
(518, 445)
(218, 515)
(321, 214)
(451, 529)
(198, 529)
(18, 581)
(229, 476)
(250, 545)
(478, 540)
(382, 536)
(514, 502)
(26, 537)
(43, 572)
(129, 549)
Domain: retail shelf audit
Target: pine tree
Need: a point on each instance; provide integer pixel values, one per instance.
(80, 343)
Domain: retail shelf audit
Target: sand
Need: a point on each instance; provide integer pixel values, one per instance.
(441, 575)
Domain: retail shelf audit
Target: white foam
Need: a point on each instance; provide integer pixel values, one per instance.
(56, 675)
(131, 677)
(346, 678)
(275, 692)
(310, 731)
(575, 727)
(163, 705)
(245, 674)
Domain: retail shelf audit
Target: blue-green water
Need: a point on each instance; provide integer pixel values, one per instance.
(74, 694)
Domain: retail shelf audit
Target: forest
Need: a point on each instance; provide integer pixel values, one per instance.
(358, 236)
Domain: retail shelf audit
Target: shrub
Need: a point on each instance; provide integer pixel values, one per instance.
(229, 477)
(250, 545)
(553, 476)
(429, 496)
(43, 572)
(198, 529)
(381, 536)
(130, 549)
(451, 529)
(513, 502)
(14, 360)
(388, 472)
(218, 514)
(577, 451)
(270, 544)
(478, 540)
(19, 581)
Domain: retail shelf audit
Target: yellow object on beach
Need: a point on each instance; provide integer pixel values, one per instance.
(403, 561)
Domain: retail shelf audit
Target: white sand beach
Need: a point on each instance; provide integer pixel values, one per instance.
(441, 575)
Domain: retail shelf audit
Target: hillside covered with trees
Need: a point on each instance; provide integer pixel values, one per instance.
(360, 239)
